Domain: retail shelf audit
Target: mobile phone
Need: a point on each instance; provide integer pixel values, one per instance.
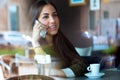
(42, 32)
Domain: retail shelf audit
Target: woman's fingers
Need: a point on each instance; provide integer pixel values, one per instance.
(43, 25)
(37, 26)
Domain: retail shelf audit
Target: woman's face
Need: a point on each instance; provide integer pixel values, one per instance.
(49, 17)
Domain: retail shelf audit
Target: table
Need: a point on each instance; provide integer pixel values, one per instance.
(110, 74)
(30, 77)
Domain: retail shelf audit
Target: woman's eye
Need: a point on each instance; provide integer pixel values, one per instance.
(55, 15)
(44, 17)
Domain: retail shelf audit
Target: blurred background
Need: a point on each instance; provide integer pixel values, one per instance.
(93, 27)
(86, 23)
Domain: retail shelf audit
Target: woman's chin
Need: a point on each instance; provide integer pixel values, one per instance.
(53, 33)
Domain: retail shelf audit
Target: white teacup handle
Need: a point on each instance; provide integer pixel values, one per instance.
(88, 68)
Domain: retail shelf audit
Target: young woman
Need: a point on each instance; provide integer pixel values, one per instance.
(54, 42)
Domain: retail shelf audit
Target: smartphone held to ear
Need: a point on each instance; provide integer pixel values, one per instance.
(42, 32)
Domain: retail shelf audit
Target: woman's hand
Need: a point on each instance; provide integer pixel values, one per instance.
(36, 33)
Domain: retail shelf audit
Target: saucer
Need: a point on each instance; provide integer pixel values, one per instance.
(94, 76)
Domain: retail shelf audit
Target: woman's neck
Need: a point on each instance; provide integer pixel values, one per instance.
(49, 40)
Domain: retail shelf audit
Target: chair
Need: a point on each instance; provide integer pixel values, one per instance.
(108, 62)
(1, 74)
(5, 60)
(9, 63)
(84, 51)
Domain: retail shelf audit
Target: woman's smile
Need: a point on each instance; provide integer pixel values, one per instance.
(52, 28)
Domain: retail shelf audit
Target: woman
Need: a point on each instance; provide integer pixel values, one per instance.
(54, 42)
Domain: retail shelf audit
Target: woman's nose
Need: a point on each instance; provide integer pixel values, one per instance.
(52, 20)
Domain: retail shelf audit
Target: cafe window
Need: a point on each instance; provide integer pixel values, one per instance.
(106, 14)
(13, 17)
(92, 20)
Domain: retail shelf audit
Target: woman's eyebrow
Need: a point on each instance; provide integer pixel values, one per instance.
(45, 13)
(48, 13)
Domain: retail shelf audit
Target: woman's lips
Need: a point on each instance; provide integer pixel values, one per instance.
(52, 28)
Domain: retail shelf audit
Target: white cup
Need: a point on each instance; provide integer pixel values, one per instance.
(94, 69)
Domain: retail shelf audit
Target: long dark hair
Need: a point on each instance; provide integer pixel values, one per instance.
(63, 47)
